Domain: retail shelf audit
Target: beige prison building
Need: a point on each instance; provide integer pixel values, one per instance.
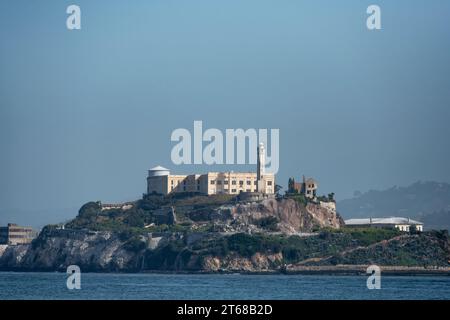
(160, 181)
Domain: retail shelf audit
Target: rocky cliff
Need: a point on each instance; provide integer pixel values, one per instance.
(290, 216)
(54, 250)
(263, 236)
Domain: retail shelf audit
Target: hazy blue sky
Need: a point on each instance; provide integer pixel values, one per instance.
(84, 114)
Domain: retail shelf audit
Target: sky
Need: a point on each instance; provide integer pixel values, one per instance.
(85, 113)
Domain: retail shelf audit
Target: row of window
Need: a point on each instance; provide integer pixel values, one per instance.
(184, 188)
(184, 182)
(233, 182)
(20, 230)
(225, 182)
(19, 236)
(232, 191)
(241, 182)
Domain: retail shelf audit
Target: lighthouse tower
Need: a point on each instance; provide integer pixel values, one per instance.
(260, 170)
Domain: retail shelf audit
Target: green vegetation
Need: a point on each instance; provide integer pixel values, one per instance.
(294, 248)
(424, 249)
(300, 198)
(200, 200)
(368, 236)
(247, 245)
(328, 246)
(268, 223)
(133, 223)
(152, 202)
(173, 256)
(91, 216)
(135, 244)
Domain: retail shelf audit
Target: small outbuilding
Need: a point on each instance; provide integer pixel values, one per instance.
(402, 224)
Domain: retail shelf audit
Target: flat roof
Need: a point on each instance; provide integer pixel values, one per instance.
(390, 220)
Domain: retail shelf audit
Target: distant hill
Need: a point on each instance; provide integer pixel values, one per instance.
(428, 202)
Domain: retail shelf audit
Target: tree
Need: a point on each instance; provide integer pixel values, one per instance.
(90, 209)
(291, 186)
(135, 220)
(277, 189)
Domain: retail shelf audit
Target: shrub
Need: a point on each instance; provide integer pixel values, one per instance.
(269, 223)
(300, 198)
(135, 220)
(367, 236)
(165, 257)
(89, 209)
(244, 244)
(135, 244)
(291, 254)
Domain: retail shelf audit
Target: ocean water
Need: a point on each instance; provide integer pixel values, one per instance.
(232, 286)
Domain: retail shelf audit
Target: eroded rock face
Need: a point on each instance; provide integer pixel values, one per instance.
(56, 250)
(324, 216)
(233, 263)
(293, 217)
(13, 255)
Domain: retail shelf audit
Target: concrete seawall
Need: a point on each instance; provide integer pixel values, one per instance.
(361, 270)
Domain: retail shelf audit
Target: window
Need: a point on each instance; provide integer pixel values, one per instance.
(248, 190)
(233, 190)
(233, 182)
(212, 181)
(226, 182)
(256, 182)
(249, 182)
(171, 182)
(219, 182)
(269, 183)
(241, 182)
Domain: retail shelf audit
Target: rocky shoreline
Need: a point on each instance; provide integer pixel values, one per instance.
(347, 270)
(107, 252)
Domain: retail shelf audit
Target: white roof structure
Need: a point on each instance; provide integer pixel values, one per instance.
(158, 168)
(391, 220)
(158, 171)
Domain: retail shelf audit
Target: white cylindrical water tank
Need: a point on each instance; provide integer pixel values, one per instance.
(158, 171)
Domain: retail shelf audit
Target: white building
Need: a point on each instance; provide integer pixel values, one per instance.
(159, 180)
(402, 224)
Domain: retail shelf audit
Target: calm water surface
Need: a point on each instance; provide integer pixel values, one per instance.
(235, 286)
